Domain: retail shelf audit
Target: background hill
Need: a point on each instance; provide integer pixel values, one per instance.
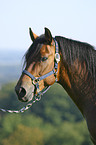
(10, 65)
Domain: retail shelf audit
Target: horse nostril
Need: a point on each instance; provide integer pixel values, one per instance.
(21, 92)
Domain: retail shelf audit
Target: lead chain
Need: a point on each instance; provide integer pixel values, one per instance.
(36, 98)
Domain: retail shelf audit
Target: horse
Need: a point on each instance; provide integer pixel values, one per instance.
(70, 63)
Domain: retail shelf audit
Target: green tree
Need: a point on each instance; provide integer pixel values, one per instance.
(10, 122)
(69, 134)
(24, 136)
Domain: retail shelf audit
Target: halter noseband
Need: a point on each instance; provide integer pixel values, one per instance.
(35, 81)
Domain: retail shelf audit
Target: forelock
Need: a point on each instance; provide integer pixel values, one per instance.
(34, 49)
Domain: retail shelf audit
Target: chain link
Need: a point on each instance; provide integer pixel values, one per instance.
(35, 99)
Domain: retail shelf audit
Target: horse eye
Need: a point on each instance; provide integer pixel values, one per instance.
(44, 58)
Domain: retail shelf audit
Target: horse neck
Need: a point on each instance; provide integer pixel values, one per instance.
(75, 77)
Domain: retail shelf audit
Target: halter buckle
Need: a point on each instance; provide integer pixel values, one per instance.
(57, 57)
(35, 81)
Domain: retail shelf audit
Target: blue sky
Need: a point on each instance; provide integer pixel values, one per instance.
(74, 19)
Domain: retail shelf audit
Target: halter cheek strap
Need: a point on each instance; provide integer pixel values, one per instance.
(54, 71)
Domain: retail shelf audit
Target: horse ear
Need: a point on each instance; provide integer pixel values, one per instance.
(48, 35)
(33, 36)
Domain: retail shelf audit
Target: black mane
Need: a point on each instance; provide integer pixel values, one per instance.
(72, 50)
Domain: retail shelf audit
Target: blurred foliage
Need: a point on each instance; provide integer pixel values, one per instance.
(25, 135)
(55, 120)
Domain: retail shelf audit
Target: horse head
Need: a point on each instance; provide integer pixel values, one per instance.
(39, 63)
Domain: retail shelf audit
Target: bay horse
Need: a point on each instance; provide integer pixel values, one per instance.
(68, 62)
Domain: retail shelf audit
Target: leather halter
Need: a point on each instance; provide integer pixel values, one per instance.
(35, 81)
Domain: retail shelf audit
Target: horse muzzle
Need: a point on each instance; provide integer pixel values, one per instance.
(25, 93)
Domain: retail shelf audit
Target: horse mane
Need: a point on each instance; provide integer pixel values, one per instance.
(72, 50)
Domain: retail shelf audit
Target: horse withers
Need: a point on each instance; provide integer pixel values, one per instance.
(67, 62)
